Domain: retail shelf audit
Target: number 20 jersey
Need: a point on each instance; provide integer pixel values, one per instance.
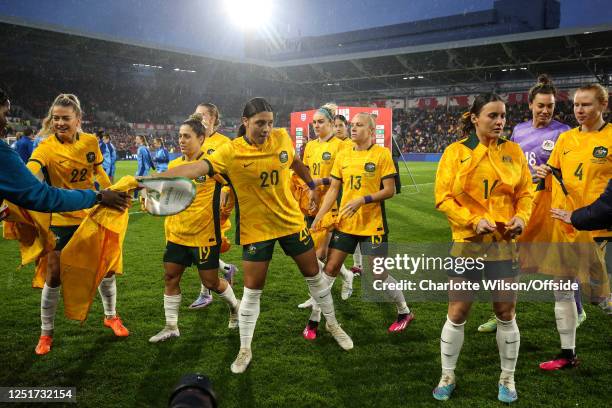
(260, 177)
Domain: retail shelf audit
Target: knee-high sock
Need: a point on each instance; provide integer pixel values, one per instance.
(315, 314)
(48, 305)
(321, 293)
(172, 304)
(508, 343)
(108, 293)
(247, 317)
(578, 298)
(451, 342)
(397, 296)
(567, 317)
(357, 258)
(345, 273)
(229, 297)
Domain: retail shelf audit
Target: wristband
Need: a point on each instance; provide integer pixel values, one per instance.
(99, 197)
(311, 185)
(367, 199)
(326, 181)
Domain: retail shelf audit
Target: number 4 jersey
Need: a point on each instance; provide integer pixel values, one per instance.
(70, 166)
(585, 162)
(537, 143)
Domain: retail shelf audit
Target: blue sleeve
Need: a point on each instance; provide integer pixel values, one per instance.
(113, 153)
(149, 158)
(19, 186)
(596, 216)
(141, 165)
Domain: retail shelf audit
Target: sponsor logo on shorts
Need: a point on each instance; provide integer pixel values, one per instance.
(326, 156)
(283, 156)
(600, 152)
(370, 167)
(252, 249)
(91, 157)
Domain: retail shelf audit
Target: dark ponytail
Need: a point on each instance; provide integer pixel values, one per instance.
(252, 108)
(544, 86)
(480, 101)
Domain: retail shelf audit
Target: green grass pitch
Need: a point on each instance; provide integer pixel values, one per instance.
(287, 371)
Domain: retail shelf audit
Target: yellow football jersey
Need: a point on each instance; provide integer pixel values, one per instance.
(213, 142)
(585, 162)
(198, 225)
(361, 173)
(70, 166)
(474, 181)
(319, 156)
(260, 176)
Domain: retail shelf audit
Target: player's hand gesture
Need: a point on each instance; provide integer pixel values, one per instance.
(563, 215)
(351, 207)
(117, 200)
(515, 226)
(542, 170)
(484, 227)
(313, 199)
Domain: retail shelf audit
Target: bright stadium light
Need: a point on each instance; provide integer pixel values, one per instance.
(249, 14)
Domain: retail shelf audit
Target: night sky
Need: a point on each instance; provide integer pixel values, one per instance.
(203, 26)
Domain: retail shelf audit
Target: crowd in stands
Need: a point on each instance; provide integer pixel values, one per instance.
(110, 108)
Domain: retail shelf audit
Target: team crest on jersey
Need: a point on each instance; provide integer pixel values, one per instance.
(370, 167)
(283, 156)
(91, 157)
(507, 159)
(200, 179)
(303, 117)
(326, 156)
(548, 145)
(600, 152)
(210, 151)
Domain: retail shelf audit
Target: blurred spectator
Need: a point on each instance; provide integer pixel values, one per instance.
(25, 144)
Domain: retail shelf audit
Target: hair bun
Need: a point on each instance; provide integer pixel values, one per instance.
(544, 79)
(196, 116)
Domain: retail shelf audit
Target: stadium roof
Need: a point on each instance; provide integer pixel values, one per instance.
(458, 66)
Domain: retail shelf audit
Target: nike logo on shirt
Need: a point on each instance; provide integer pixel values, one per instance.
(467, 158)
(247, 165)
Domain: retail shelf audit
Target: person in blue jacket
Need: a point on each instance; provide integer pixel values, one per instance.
(162, 157)
(19, 186)
(145, 161)
(25, 145)
(596, 216)
(110, 157)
